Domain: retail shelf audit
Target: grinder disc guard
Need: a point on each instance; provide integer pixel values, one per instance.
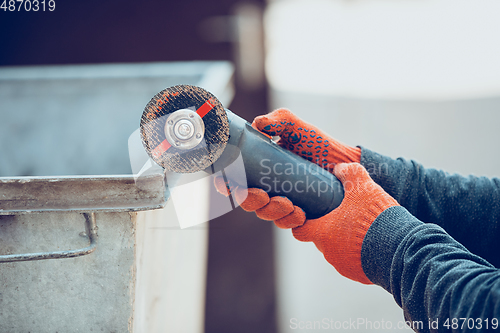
(176, 155)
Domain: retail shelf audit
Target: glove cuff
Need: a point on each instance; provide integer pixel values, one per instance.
(360, 229)
(364, 201)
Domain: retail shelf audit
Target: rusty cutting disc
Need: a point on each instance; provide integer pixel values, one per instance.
(171, 155)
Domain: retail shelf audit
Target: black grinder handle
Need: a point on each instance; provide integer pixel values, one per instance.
(280, 172)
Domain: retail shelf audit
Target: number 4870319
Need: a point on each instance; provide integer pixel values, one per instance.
(28, 5)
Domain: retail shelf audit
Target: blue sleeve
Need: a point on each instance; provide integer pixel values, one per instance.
(468, 208)
(438, 283)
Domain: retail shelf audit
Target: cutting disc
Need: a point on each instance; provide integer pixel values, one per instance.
(160, 117)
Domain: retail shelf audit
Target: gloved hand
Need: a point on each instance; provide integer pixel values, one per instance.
(306, 140)
(339, 234)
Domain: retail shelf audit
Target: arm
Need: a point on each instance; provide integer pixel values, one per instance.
(468, 208)
(431, 276)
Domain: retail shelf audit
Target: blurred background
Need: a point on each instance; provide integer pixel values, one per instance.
(418, 79)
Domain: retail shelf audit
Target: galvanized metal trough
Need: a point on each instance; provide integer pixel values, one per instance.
(83, 248)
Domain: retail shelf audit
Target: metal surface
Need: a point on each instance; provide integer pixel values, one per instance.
(48, 296)
(91, 229)
(81, 194)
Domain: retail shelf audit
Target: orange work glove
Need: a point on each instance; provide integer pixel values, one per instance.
(339, 234)
(306, 140)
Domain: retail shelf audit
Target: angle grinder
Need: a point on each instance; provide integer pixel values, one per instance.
(185, 129)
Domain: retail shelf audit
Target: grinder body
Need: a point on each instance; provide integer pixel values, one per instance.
(185, 129)
(280, 172)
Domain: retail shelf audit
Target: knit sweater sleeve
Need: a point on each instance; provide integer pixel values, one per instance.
(468, 208)
(439, 284)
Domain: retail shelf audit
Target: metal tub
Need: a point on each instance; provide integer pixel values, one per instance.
(82, 248)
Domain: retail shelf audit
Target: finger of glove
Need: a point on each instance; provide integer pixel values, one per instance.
(274, 123)
(309, 231)
(292, 220)
(352, 175)
(303, 138)
(277, 208)
(251, 199)
(224, 187)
